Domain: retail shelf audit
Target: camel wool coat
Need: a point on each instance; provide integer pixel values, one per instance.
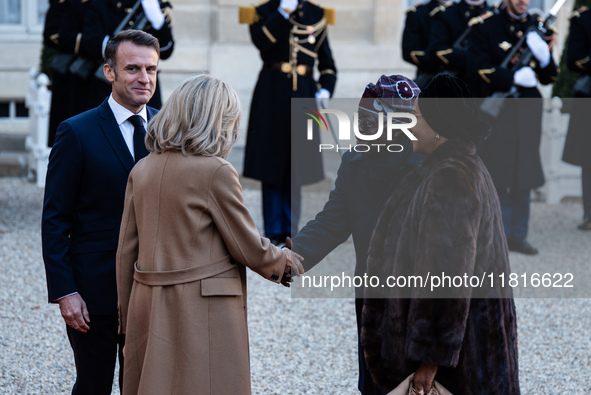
(186, 238)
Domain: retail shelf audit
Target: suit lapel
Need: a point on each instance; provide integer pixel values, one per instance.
(151, 112)
(111, 130)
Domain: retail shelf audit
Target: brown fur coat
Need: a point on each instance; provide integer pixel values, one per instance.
(445, 216)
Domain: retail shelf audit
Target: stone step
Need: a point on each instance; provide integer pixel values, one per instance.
(13, 157)
(13, 164)
(12, 142)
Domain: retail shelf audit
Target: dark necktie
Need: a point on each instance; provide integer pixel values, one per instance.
(139, 134)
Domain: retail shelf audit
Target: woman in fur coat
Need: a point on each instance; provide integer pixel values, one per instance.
(443, 218)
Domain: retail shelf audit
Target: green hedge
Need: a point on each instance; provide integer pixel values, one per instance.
(47, 55)
(563, 87)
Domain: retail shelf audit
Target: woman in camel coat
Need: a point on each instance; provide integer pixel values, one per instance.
(186, 240)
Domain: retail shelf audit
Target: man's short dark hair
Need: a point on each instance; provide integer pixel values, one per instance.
(136, 37)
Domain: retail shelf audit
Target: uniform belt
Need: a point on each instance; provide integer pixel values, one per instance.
(287, 68)
(172, 277)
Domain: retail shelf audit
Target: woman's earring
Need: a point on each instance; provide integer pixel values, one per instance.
(437, 136)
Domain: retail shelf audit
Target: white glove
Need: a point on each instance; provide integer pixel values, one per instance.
(525, 77)
(153, 13)
(539, 48)
(288, 5)
(322, 96)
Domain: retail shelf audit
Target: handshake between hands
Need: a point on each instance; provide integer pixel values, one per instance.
(293, 263)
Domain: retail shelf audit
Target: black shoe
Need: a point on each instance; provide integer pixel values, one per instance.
(586, 224)
(522, 246)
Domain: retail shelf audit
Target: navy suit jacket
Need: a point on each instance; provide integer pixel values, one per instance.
(353, 208)
(83, 204)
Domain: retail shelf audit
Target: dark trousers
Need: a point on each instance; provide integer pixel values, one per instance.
(586, 180)
(515, 211)
(95, 354)
(281, 210)
(365, 384)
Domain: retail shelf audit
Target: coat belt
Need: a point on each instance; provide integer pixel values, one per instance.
(181, 276)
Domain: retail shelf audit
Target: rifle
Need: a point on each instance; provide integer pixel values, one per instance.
(135, 19)
(493, 104)
(459, 43)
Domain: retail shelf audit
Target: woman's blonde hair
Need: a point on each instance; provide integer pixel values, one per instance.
(201, 117)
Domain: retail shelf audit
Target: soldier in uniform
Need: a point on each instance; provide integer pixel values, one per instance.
(63, 31)
(59, 103)
(291, 36)
(578, 139)
(415, 38)
(448, 38)
(51, 27)
(511, 153)
(100, 22)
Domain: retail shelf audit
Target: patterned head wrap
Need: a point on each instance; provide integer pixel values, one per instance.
(394, 93)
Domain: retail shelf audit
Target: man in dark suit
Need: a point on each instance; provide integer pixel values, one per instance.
(86, 179)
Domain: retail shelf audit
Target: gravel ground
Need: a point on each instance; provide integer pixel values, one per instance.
(298, 345)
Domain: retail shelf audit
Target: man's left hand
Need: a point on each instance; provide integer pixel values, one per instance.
(74, 312)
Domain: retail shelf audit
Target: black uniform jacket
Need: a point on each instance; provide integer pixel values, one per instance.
(578, 58)
(578, 53)
(448, 25)
(63, 31)
(512, 152)
(491, 41)
(415, 37)
(286, 74)
(71, 26)
(52, 24)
